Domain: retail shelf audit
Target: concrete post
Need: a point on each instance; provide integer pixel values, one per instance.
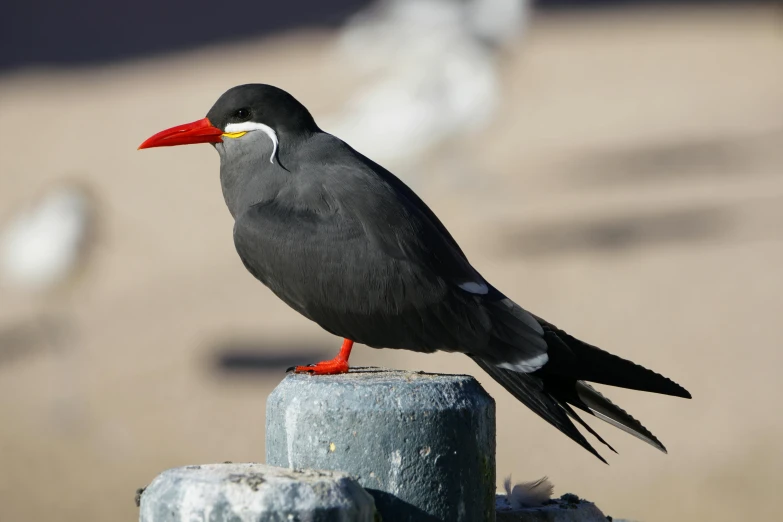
(254, 493)
(422, 444)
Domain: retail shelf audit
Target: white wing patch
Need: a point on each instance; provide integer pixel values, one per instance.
(248, 126)
(526, 365)
(475, 288)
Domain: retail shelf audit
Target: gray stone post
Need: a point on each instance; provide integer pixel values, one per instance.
(253, 493)
(422, 444)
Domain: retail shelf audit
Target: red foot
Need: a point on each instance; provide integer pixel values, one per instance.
(337, 365)
(332, 367)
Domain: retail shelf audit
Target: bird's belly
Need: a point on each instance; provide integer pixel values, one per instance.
(383, 303)
(357, 291)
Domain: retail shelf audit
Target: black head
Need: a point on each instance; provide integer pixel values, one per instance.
(240, 110)
(264, 104)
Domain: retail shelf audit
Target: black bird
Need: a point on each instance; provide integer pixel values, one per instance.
(345, 243)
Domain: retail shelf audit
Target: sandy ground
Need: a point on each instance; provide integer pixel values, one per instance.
(631, 192)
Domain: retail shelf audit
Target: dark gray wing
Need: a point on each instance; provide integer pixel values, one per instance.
(395, 219)
(326, 267)
(403, 228)
(349, 246)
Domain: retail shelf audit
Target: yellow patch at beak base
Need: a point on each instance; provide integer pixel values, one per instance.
(234, 134)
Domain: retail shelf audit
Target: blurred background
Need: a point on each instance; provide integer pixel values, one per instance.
(616, 167)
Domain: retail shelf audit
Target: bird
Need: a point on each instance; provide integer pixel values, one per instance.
(348, 245)
(46, 245)
(48, 250)
(431, 72)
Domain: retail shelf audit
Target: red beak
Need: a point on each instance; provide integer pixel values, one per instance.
(200, 131)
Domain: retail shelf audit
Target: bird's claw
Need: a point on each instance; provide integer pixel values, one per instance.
(333, 367)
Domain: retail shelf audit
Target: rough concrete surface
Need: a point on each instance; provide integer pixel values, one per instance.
(568, 508)
(254, 493)
(422, 444)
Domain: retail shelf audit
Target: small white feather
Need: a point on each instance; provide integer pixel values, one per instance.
(526, 365)
(528, 494)
(475, 288)
(248, 126)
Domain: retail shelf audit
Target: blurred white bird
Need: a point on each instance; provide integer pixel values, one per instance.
(432, 72)
(43, 247)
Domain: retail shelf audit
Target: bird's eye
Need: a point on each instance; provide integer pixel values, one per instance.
(242, 114)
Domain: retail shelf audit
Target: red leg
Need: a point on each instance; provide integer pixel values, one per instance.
(337, 365)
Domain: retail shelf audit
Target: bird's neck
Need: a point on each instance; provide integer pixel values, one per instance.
(251, 174)
(244, 187)
(246, 170)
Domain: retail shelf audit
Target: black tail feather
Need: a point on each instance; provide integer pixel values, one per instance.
(530, 391)
(552, 390)
(589, 400)
(569, 357)
(601, 407)
(586, 426)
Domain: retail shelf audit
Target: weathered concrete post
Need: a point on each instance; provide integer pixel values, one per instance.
(254, 493)
(422, 444)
